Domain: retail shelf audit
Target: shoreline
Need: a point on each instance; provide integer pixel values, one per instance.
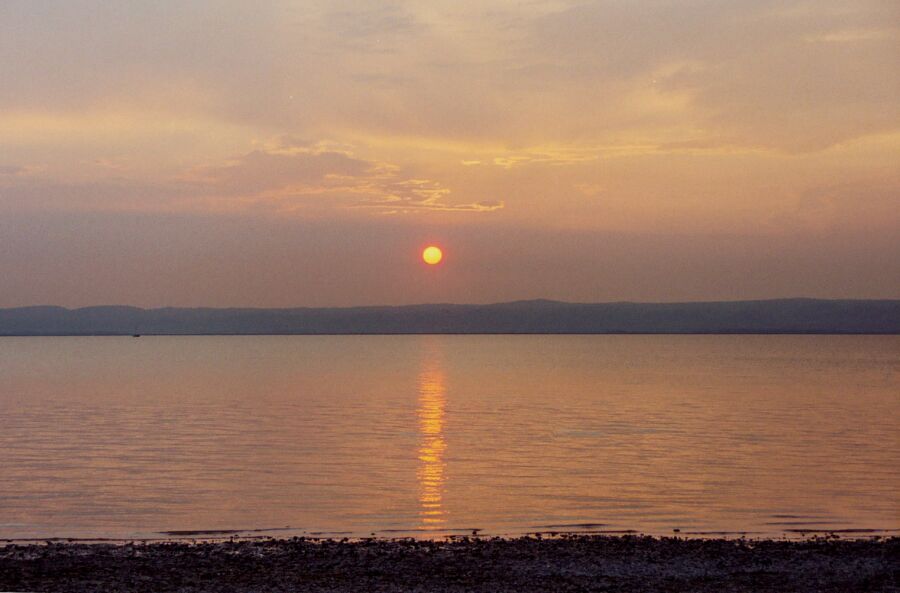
(219, 536)
(566, 562)
(287, 533)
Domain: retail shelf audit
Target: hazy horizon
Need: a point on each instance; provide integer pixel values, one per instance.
(450, 304)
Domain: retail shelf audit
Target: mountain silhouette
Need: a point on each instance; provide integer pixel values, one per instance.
(799, 316)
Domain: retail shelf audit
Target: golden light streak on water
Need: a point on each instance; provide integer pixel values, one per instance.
(432, 401)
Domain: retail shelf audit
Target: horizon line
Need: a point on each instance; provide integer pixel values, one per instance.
(449, 304)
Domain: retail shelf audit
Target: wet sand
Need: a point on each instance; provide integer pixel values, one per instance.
(567, 563)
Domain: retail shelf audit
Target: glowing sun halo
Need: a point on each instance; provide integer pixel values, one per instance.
(432, 255)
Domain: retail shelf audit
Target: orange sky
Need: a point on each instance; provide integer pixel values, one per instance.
(301, 153)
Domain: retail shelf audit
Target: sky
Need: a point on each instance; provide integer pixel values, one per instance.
(304, 152)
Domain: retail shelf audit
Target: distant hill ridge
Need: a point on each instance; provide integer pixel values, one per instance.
(793, 316)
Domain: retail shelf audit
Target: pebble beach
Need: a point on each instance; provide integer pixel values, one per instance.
(564, 563)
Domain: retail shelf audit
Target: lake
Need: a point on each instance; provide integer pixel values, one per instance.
(120, 437)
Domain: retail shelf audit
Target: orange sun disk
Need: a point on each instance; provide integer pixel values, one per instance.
(432, 255)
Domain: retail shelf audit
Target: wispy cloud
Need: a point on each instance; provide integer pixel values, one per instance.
(291, 177)
(851, 35)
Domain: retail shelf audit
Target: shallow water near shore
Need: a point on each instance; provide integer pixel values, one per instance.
(117, 437)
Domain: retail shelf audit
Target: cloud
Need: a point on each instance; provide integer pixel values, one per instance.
(589, 189)
(413, 195)
(787, 75)
(364, 28)
(288, 177)
(791, 76)
(280, 176)
(548, 157)
(688, 113)
(850, 35)
(263, 170)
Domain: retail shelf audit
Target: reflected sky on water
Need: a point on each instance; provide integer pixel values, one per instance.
(128, 437)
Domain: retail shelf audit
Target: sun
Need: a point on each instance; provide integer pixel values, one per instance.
(432, 255)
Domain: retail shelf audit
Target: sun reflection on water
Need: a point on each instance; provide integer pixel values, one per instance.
(432, 401)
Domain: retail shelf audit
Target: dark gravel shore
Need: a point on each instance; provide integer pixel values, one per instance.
(576, 563)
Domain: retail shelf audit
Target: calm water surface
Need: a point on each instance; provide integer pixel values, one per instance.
(398, 435)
